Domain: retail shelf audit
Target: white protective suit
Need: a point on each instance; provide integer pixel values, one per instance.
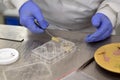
(74, 14)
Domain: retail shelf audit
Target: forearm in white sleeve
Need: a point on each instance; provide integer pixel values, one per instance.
(111, 9)
(14, 3)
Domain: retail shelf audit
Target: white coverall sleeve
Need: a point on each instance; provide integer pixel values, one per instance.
(14, 3)
(111, 9)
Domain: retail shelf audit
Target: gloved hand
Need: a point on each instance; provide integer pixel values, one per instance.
(104, 28)
(29, 12)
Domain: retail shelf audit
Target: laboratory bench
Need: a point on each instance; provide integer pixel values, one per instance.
(30, 67)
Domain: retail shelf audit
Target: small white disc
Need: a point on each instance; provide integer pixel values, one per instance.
(8, 56)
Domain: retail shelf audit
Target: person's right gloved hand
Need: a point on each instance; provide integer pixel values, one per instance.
(29, 12)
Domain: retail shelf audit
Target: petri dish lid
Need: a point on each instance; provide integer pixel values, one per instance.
(8, 56)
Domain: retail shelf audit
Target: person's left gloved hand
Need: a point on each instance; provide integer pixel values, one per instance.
(104, 28)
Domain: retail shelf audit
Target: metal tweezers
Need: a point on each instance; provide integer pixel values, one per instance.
(36, 22)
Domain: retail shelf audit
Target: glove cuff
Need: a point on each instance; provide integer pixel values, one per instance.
(109, 13)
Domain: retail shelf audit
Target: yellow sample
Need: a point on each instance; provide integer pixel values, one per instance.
(56, 39)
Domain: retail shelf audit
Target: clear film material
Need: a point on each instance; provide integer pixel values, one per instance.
(52, 51)
(78, 76)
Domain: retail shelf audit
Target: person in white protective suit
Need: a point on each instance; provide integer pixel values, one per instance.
(104, 15)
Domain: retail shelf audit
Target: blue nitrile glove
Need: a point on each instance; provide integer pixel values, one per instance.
(104, 28)
(29, 12)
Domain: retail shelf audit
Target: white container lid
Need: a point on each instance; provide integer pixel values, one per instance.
(8, 56)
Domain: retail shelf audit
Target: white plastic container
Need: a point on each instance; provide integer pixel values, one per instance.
(8, 56)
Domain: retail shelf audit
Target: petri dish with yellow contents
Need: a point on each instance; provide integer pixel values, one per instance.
(108, 57)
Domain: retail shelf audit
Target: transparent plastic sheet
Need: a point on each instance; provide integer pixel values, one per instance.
(36, 71)
(52, 52)
(78, 76)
